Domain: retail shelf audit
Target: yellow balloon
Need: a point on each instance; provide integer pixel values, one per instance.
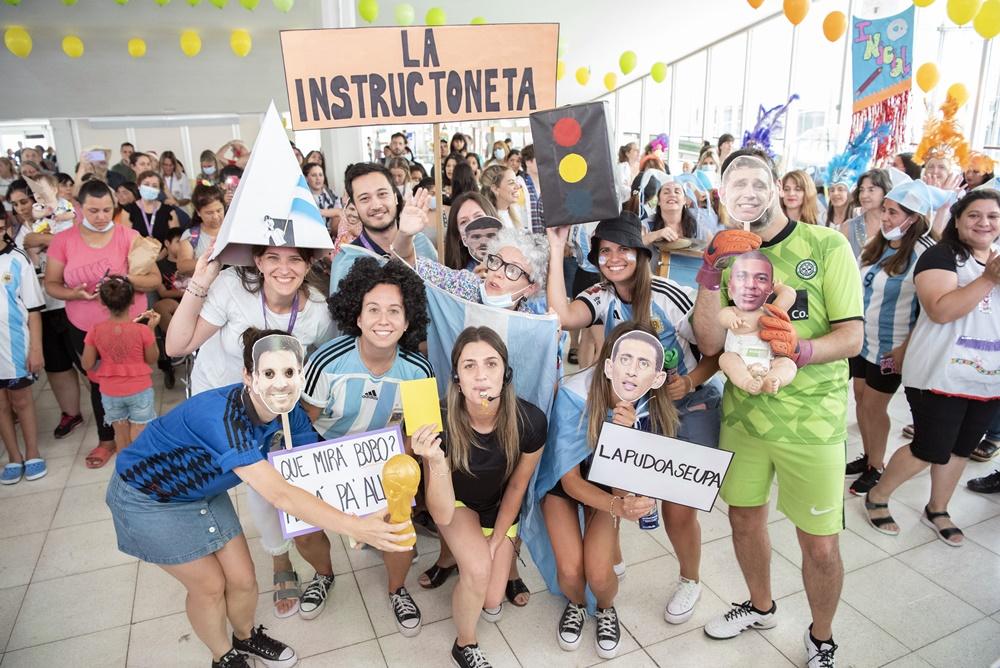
(962, 11)
(987, 21)
(610, 81)
(923, 3)
(136, 47)
(834, 26)
(959, 92)
(560, 70)
(796, 10)
(583, 76)
(240, 42)
(190, 43)
(18, 41)
(72, 46)
(627, 61)
(927, 77)
(659, 72)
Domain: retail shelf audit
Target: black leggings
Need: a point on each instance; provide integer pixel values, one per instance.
(104, 432)
(944, 425)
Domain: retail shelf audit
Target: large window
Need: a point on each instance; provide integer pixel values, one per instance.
(629, 113)
(770, 52)
(725, 87)
(988, 128)
(689, 106)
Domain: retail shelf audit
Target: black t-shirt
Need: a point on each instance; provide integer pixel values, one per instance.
(483, 490)
(939, 256)
(159, 221)
(168, 272)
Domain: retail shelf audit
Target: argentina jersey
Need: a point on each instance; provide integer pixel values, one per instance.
(890, 303)
(20, 294)
(351, 399)
(671, 307)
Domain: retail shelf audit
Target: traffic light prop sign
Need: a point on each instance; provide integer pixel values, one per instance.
(573, 151)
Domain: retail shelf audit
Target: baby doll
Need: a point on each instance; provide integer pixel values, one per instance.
(52, 213)
(747, 360)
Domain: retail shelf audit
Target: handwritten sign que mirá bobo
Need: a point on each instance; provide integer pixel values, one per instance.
(378, 76)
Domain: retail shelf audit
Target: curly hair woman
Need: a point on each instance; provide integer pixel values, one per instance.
(352, 386)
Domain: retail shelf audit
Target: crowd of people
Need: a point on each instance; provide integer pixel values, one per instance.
(891, 271)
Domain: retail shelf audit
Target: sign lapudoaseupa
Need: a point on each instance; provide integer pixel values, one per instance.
(345, 472)
(343, 77)
(659, 467)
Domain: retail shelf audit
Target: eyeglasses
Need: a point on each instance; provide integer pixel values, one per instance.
(511, 271)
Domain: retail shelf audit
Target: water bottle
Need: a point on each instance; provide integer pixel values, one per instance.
(650, 521)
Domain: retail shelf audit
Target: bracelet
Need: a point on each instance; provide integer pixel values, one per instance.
(611, 510)
(689, 383)
(197, 285)
(199, 295)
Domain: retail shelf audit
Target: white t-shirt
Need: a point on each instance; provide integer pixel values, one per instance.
(178, 185)
(233, 309)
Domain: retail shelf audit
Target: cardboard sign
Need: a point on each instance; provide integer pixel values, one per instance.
(338, 78)
(272, 205)
(573, 152)
(345, 472)
(421, 405)
(659, 467)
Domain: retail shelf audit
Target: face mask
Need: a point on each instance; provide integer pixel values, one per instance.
(208, 170)
(707, 168)
(149, 193)
(498, 154)
(894, 234)
(86, 223)
(500, 301)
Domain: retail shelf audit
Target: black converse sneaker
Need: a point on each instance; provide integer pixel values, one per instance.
(609, 632)
(313, 598)
(858, 466)
(406, 611)
(231, 659)
(469, 656)
(866, 481)
(571, 623)
(272, 653)
(821, 655)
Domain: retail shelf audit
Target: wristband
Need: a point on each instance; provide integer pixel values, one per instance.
(805, 353)
(709, 277)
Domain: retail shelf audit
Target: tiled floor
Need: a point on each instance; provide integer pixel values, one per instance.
(68, 596)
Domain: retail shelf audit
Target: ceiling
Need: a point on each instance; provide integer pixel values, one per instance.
(105, 81)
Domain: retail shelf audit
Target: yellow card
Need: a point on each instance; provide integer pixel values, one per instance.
(421, 405)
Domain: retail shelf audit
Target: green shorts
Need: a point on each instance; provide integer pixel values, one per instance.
(810, 479)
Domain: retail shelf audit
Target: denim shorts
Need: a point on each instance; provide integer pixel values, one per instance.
(136, 408)
(170, 533)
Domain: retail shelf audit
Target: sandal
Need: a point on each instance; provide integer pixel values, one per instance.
(99, 456)
(944, 535)
(285, 592)
(437, 575)
(985, 451)
(515, 588)
(878, 523)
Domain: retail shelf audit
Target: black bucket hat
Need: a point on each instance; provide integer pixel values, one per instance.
(624, 230)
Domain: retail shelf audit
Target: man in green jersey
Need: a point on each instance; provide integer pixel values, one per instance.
(799, 434)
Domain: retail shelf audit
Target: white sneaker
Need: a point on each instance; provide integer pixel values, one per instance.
(493, 615)
(681, 605)
(822, 656)
(740, 617)
(620, 570)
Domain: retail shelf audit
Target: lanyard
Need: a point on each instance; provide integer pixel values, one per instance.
(291, 318)
(145, 218)
(364, 241)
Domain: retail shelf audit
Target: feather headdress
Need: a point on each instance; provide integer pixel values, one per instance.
(943, 137)
(768, 123)
(846, 167)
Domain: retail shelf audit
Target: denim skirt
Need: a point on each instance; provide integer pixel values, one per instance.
(170, 533)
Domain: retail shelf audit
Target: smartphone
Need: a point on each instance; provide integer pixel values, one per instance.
(232, 181)
(96, 156)
(887, 365)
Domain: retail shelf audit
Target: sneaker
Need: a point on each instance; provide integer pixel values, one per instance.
(232, 659)
(740, 617)
(313, 598)
(681, 605)
(469, 656)
(406, 611)
(609, 632)
(858, 466)
(620, 570)
(12, 473)
(493, 615)
(272, 653)
(35, 469)
(570, 631)
(820, 656)
(67, 423)
(868, 479)
(988, 484)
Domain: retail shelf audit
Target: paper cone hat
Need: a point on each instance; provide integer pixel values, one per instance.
(272, 205)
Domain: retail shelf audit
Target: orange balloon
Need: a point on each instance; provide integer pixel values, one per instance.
(834, 26)
(755, 3)
(796, 10)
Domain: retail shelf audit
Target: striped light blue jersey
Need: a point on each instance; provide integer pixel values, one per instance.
(352, 399)
(21, 293)
(671, 305)
(891, 305)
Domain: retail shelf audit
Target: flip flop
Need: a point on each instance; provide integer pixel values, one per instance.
(514, 588)
(99, 456)
(438, 575)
